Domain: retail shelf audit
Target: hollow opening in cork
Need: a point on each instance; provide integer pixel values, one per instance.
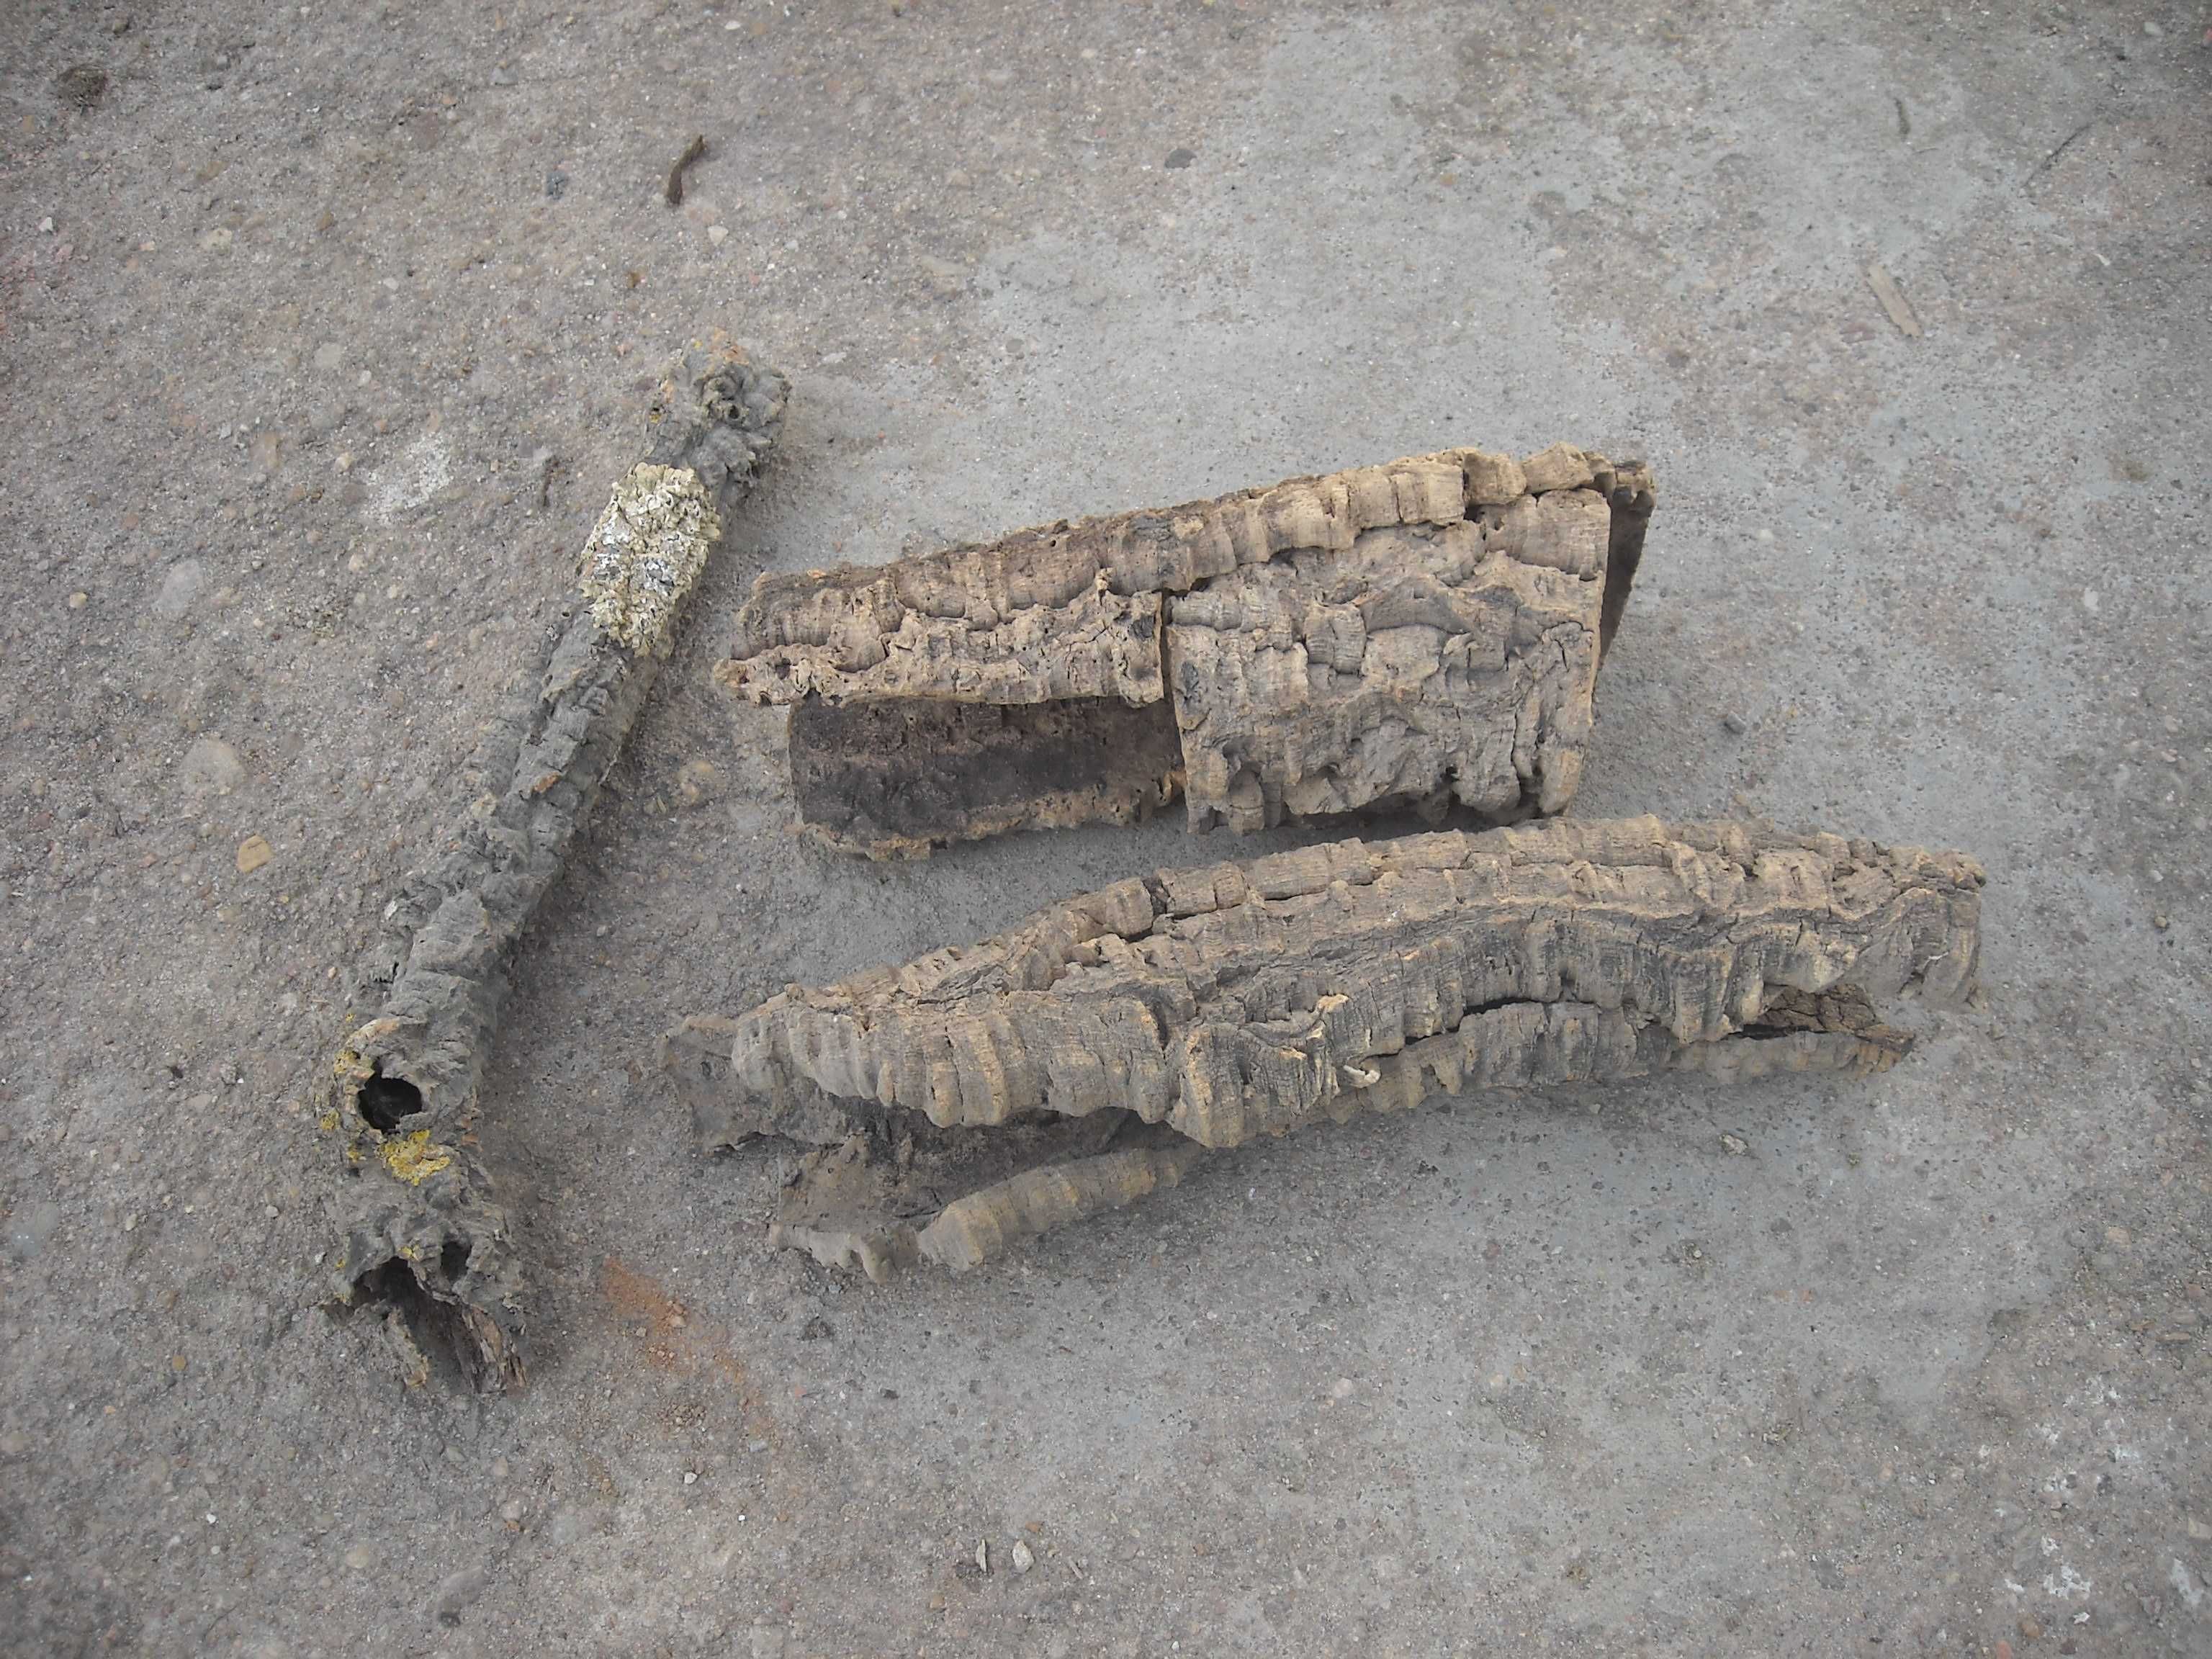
(438, 1330)
(386, 1102)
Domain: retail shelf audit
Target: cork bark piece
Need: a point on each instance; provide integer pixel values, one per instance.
(1423, 664)
(1418, 634)
(428, 1239)
(1217, 1005)
(1023, 620)
(975, 1229)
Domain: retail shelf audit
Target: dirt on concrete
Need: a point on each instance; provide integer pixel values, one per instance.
(324, 333)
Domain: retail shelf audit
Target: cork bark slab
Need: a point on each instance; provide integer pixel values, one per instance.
(428, 1240)
(1203, 1008)
(1423, 633)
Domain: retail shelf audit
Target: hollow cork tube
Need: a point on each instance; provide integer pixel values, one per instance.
(428, 1240)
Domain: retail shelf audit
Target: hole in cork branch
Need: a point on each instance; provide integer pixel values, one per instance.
(438, 1328)
(453, 1258)
(384, 1101)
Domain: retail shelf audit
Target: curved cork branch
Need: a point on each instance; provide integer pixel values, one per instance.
(428, 1236)
(1217, 1005)
(1419, 632)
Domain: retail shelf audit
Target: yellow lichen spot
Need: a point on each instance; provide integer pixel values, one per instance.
(328, 1123)
(413, 1158)
(645, 551)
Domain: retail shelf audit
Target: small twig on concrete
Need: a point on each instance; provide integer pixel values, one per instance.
(2064, 144)
(695, 150)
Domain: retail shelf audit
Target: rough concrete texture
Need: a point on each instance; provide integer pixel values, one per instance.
(313, 388)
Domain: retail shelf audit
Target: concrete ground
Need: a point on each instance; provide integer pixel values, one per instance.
(324, 330)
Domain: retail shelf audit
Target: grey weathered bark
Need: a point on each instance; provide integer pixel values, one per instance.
(1414, 634)
(1202, 1008)
(428, 1235)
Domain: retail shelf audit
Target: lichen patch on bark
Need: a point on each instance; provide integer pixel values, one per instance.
(647, 549)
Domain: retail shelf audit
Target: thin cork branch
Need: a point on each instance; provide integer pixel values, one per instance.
(428, 1239)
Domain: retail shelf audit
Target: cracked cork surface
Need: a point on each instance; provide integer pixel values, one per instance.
(1422, 633)
(1236, 1001)
(647, 549)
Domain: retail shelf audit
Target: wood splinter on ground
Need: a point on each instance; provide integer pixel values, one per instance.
(1894, 305)
(428, 1239)
(984, 1094)
(1414, 635)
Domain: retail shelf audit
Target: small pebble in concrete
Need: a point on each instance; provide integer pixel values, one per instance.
(457, 1592)
(210, 766)
(31, 1227)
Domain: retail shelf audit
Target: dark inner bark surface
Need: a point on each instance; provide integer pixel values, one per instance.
(922, 771)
